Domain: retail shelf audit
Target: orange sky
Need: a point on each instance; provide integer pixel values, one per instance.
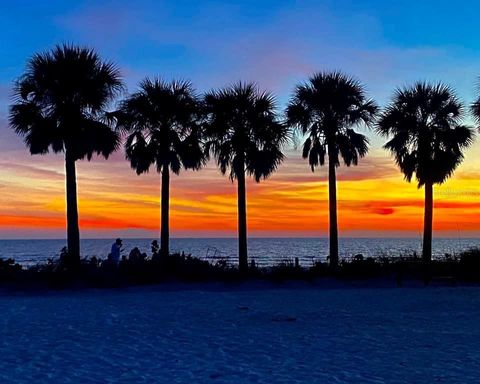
(374, 200)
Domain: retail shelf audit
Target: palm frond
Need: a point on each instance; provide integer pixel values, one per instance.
(243, 130)
(423, 123)
(140, 154)
(169, 117)
(60, 102)
(325, 109)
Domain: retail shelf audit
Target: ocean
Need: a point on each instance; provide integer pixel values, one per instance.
(265, 251)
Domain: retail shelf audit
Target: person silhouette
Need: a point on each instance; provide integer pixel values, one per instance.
(115, 251)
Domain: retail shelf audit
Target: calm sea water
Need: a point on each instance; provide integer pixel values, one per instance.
(266, 251)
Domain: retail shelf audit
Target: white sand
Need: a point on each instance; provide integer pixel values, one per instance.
(218, 335)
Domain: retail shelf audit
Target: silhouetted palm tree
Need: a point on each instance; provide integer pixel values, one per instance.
(163, 125)
(427, 140)
(325, 109)
(60, 106)
(245, 137)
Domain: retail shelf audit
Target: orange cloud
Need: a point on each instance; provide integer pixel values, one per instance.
(372, 198)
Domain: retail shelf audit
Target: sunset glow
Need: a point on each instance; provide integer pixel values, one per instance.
(373, 198)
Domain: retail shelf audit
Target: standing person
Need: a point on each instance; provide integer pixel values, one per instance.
(115, 251)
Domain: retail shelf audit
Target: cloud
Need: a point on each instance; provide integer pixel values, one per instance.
(376, 165)
(383, 211)
(9, 140)
(30, 170)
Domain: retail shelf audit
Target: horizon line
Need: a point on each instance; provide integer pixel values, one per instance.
(235, 238)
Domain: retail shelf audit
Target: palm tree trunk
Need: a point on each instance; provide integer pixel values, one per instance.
(165, 208)
(427, 223)
(242, 220)
(73, 232)
(332, 202)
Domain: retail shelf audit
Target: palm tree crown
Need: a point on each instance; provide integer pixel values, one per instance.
(427, 137)
(246, 138)
(61, 101)
(162, 123)
(325, 109)
(244, 132)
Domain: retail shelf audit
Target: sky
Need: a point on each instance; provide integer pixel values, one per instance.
(385, 44)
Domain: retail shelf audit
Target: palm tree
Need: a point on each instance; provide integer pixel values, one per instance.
(325, 109)
(162, 121)
(60, 105)
(245, 137)
(427, 139)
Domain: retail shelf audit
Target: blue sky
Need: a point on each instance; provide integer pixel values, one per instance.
(275, 43)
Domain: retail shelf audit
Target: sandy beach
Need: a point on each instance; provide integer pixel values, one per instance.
(245, 333)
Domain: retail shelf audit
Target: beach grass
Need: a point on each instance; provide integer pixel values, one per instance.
(140, 269)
